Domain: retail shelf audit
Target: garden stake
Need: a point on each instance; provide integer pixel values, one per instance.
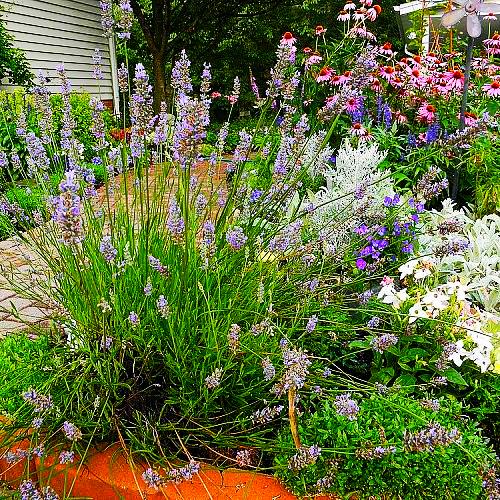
(292, 416)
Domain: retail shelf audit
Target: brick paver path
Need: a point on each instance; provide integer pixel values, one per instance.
(21, 263)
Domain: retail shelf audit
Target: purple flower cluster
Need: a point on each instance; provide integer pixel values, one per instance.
(245, 458)
(430, 404)
(66, 457)
(376, 452)
(181, 80)
(133, 318)
(108, 251)
(429, 187)
(233, 338)
(346, 406)
(125, 19)
(71, 431)
(40, 402)
(452, 247)
(311, 324)
(268, 369)
(383, 342)
(175, 222)
(373, 322)
(107, 21)
(288, 238)
(185, 473)
(158, 266)
(305, 456)
(97, 60)
(443, 361)
(297, 364)
(267, 414)
(152, 478)
(67, 210)
(214, 379)
(236, 238)
(429, 438)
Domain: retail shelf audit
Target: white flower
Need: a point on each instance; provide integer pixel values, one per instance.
(457, 356)
(436, 299)
(408, 268)
(412, 35)
(389, 295)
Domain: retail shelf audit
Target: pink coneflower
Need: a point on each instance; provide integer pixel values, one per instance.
(366, 3)
(359, 14)
(320, 30)
(307, 50)
(215, 95)
(386, 49)
(416, 78)
(441, 87)
(492, 45)
(490, 17)
(454, 79)
(314, 59)
(350, 6)
(470, 119)
(359, 32)
(492, 89)
(358, 129)
(375, 84)
(400, 118)
(353, 104)
(288, 39)
(336, 80)
(324, 75)
(343, 16)
(373, 12)
(426, 113)
(387, 72)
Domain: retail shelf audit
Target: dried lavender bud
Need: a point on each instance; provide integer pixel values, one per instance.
(430, 404)
(233, 338)
(449, 226)
(430, 437)
(267, 414)
(213, 380)
(453, 247)
(305, 456)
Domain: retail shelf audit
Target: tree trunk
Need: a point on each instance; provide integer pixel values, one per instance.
(159, 80)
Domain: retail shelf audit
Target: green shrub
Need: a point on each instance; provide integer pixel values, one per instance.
(447, 472)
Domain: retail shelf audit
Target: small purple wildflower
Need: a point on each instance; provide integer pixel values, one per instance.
(373, 322)
(71, 431)
(236, 238)
(311, 324)
(346, 406)
(267, 414)
(66, 457)
(430, 437)
(384, 342)
(108, 251)
(268, 368)
(133, 318)
(152, 478)
(305, 456)
(214, 379)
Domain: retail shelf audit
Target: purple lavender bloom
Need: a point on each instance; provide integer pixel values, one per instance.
(4, 160)
(181, 80)
(267, 414)
(311, 324)
(255, 195)
(214, 379)
(106, 343)
(71, 431)
(29, 491)
(157, 265)
(373, 322)
(185, 473)
(268, 368)
(107, 21)
(152, 478)
(97, 60)
(297, 365)
(133, 318)
(126, 18)
(175, 222)
(233, 338)
(236, 238)
(305, 456)
(66, 457)
(429, 438)
(384, 342)
(107, 249)
(346, 406)
(37, 423)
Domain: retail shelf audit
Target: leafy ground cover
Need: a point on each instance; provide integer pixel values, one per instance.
(315, 307)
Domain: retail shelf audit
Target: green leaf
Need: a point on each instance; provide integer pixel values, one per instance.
(360, 343)
(405, 380)
(454, 377)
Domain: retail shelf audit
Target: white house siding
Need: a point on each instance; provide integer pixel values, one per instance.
(51, 32)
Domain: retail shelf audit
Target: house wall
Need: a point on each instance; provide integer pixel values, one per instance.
(67, 31)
